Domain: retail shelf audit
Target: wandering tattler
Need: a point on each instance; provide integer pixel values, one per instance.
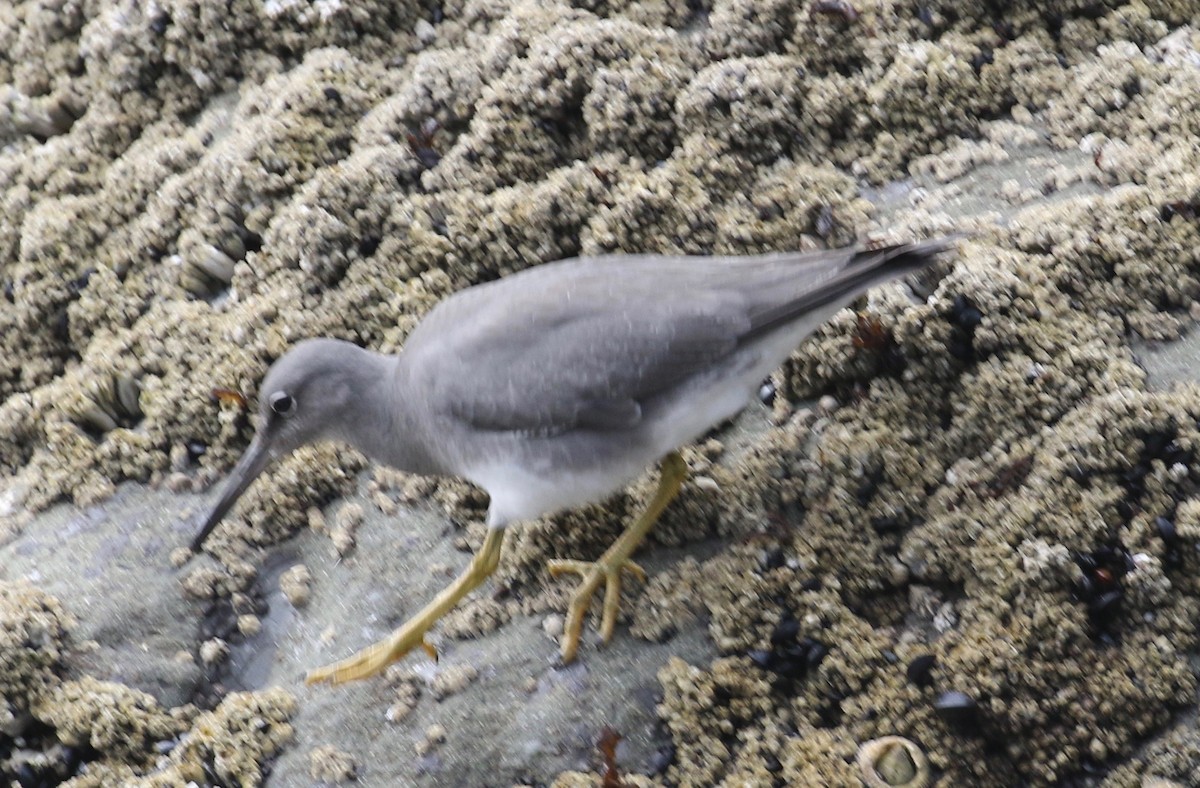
(555, 387)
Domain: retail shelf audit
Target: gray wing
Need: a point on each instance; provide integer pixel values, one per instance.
(584, 343)
(547, 362)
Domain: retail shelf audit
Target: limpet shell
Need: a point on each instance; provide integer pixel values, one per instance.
(893, 761)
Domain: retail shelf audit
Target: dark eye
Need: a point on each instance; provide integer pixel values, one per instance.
(282, 403)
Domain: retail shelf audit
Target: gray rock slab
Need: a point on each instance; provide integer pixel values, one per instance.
(525, 717)
(108, 565)
(1168, 363)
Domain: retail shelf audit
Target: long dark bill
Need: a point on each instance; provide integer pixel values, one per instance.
(252, 463)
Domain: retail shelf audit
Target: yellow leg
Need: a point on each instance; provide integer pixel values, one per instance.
(615, 561)
(374, 658)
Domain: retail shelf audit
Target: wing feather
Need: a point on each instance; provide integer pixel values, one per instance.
(587, 366)
(583, 344)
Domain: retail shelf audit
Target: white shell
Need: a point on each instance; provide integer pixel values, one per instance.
(892, 761)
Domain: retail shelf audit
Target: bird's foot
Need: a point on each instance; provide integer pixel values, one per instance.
(607, 570)
(372, 660)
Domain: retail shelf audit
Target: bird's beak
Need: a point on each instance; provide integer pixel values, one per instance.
(252, 463)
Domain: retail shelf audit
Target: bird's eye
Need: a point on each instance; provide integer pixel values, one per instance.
(282, 403)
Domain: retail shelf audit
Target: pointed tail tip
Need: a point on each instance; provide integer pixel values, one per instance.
(915, 255)
(930, 247)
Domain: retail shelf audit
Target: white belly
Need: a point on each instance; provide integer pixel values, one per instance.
(519, 494)
(524, 493)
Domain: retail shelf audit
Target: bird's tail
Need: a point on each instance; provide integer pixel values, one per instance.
(863, 270)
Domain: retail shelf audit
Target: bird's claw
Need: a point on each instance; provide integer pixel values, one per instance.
(592, 573)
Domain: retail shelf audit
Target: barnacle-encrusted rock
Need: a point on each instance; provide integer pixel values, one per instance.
(538, 117)
(328, 764)
(933, 88)
(629, 107)
(794, 206)
(45, 116)
(747, 27)
(33, 634)
(111, 718)
(750, 106)
(296, 585)
(230, 744)
(993, 424)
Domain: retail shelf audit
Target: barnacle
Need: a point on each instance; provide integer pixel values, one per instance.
(207, 258)
(105, 402)
(206, 270)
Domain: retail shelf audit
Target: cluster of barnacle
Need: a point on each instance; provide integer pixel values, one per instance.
(105, 403)
(1006, 479)
(206, 266)
(896, 761)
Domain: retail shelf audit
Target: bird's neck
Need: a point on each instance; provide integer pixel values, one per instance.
(392, 434)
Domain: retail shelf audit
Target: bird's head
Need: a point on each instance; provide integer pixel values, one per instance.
(307, 395)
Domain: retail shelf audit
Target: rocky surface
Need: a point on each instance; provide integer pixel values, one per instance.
(981, 538)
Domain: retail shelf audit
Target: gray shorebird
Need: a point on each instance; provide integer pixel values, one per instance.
(555, 387)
